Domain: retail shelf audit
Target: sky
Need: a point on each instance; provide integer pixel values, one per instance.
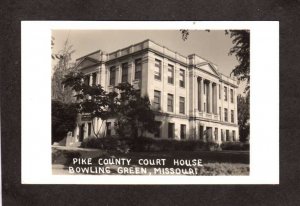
(213, 46)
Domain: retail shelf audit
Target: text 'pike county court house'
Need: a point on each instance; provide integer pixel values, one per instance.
(192, 98)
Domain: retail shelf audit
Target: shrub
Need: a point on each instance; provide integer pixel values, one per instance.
(108, 143)
(143, 144)
(234, 146)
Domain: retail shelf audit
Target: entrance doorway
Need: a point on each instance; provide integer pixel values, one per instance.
(81, 133)
(201, 132)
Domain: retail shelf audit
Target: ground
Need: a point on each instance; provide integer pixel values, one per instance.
(214, 162)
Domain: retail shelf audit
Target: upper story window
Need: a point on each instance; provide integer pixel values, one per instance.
(156, 102)
(225, 93)
(181, 105)
(170, 102)
(225, 115)
(125, 72)
(232, 116)
(112, 77)
(181, 78)
(138, 69)
(170, 74)
(157, 69)
(231, 95)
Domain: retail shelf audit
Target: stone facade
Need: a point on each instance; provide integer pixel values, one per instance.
(193, 100)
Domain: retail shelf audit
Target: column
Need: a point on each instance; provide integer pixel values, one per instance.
(85, 132)
(204, 133)
(91, 80)
(130, 71)
(95, 126)
(210, 97)
(195, 93)
(213, 137)
(76, 133)
(215, 99)
(201, 94)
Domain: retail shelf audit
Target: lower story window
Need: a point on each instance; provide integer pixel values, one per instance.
(227, 135)
(233, 135)
(108, 128)
(222, 136)
(157, 132)
(171, 128)
(182, 131)
(89, 129)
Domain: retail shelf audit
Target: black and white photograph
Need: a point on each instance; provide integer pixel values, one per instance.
(150, 102)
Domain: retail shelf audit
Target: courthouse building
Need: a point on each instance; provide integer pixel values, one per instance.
(192, 99)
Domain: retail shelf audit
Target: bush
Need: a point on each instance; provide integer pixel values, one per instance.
(235, 146)
(108, 143)
(144, 144)
(63, 119)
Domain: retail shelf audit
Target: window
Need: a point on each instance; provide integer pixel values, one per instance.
(182, 131)
(138, 69)
(89, 129)
(157, 69)
(170, 74)
(125, 72)
(232, 116)
(170, 102)
(204, 88)
(231, 95)
(108, 128)
(112, 77)
(225, 115)
(204, 108)
(220, 113)
(222, 135)
(157, 132)
(219, 91)
(87, 80)
(182, 78)
(227, 135)
(94, 79)
(233, 135)
(225, 93)
(156, 102)
(181, 105)
(171, 130)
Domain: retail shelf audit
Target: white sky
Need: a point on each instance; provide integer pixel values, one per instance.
(213, 46)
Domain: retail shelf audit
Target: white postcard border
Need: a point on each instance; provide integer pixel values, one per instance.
(36, 103)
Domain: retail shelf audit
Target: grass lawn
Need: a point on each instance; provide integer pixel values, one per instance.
(214, 162)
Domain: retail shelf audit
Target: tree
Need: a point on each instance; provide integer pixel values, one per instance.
(241, 50)
(134, 111)
(243, 117)
(63, 119)
(92, 100)
(63, 67)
